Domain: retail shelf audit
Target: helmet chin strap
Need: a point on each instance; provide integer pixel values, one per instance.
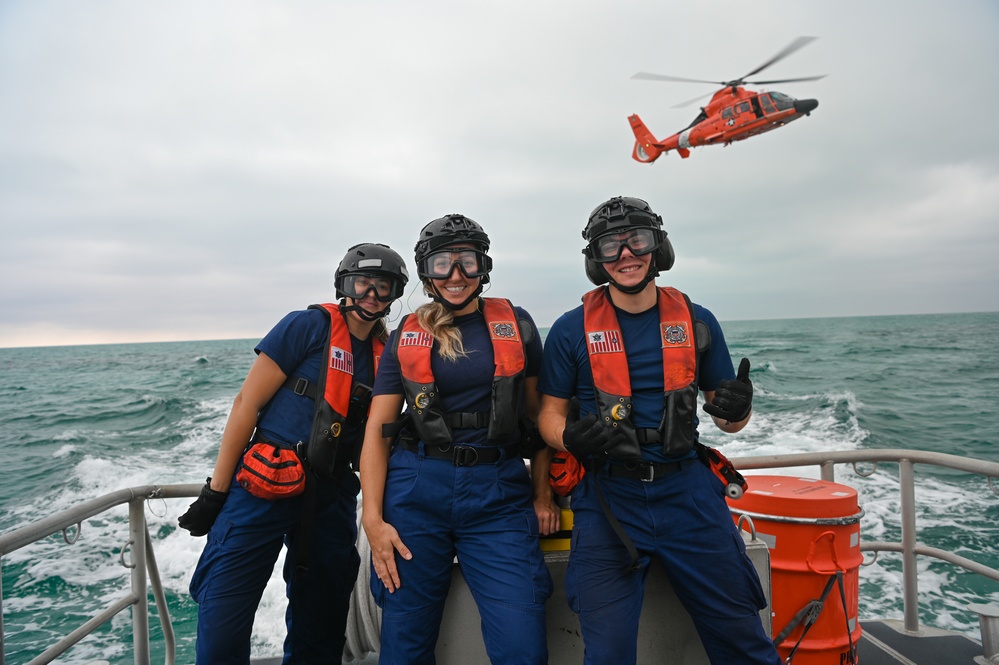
(436, 296)
(637, 288)
(364, 314)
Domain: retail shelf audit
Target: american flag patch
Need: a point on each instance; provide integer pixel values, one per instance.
(421, 338)
(604, 341)
(341, 360)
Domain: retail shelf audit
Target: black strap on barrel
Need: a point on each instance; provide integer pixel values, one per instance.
(809, 614)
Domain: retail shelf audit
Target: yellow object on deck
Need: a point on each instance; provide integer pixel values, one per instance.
(559, 541)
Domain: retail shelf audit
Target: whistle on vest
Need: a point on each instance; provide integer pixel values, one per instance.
(735, 483)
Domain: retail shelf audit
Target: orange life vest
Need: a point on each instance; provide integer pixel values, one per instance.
(612, 381)
(609, 362)
(413, 347)
(336, 386)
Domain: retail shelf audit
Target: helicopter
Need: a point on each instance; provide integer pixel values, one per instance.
(733, 114)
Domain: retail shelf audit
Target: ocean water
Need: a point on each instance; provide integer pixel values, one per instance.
(78, 422)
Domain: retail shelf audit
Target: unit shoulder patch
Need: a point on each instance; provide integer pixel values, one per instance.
(674, 334)
(505, 330)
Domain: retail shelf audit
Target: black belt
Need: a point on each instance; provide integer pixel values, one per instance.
(645, 471)
(461, 455)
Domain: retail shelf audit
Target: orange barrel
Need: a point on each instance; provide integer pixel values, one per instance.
(812, 528)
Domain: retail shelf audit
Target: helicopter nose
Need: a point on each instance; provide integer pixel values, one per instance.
(805, 106)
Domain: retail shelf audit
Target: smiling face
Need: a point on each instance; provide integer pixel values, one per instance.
(628, 270)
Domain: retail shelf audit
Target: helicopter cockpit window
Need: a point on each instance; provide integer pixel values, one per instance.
(767, 104)
(782, 101)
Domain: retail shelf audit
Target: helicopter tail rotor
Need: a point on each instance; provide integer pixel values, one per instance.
(646, 149)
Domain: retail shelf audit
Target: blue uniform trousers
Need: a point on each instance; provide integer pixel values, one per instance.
(684, 521)
(484, 514)
(236, 564)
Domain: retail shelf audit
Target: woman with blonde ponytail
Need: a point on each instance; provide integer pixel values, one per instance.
(448, 479)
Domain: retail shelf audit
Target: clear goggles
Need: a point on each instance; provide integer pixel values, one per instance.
(358, 285)
(440, 265)
(639, 241)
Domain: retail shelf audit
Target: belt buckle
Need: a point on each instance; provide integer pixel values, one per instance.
(649, 472)
(464, 456)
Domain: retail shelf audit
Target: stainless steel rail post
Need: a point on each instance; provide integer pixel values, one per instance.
(988, 622)
(910, 593)
(140, 610)
(3, 650)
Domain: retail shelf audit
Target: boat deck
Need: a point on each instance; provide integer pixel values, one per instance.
(886, 643)
(883, 643)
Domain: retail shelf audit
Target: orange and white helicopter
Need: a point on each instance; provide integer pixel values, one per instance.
(733, 114)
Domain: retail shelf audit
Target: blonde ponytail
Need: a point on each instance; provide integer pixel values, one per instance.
(439, 322)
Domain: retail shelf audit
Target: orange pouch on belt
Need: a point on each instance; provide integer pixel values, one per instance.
(271, 472)
(565, 472)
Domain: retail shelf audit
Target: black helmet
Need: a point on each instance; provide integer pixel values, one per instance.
(371, 260)
(619, 214)
(448, 230)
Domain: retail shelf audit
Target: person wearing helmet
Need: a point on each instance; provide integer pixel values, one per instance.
(448, 479)
(302, 407)
(635, 355)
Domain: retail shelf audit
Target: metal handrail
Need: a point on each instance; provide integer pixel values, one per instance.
(143, 562)
(906, 459)
(143, 559)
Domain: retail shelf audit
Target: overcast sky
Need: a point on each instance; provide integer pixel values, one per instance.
(195, 170)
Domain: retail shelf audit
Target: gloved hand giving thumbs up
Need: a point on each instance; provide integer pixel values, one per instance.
(733, 399)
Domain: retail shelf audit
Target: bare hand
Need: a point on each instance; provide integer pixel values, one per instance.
(385, 542)
(549, 514)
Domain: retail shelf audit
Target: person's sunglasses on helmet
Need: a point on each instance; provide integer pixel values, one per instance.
(471, 262)
(357, 286)
(608, 248)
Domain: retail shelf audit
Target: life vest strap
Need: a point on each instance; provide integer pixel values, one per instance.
(648, 436)
(301, 386)
(463, 420)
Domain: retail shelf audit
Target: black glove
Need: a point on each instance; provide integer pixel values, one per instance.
(734, 398)
(530, 439)
(588, 436)
(201, 514)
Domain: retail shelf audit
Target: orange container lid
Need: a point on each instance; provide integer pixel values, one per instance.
(790, 496)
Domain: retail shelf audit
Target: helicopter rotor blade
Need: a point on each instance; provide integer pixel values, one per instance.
(797, 44)
(691, 101)
(645, 76)
(795, 80)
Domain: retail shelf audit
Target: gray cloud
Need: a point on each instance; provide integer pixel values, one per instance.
(195, 171)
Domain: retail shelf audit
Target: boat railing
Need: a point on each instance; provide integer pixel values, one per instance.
(145, 574)
(907, 546)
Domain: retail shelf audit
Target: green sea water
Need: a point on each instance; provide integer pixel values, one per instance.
(78, 422)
